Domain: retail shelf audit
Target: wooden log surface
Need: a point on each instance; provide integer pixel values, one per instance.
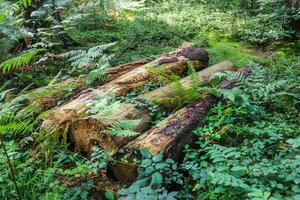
(176, 61)
(88, 132)
(170, 135)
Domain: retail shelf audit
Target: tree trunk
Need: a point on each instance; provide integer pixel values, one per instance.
(87, 132)
(176, 62)
(170, 135)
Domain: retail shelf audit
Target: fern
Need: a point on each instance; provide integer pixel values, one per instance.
(94, 59)
(102, 106)
(96, 74)
(17, 62)
(124, 128)
(11, 124)
(13, 33)
(97, 51)
(229, 75)
(90, 58)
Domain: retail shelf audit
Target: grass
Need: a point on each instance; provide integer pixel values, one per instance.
(160, 29)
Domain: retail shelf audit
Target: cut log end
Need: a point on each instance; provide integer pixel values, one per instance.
(87, 133)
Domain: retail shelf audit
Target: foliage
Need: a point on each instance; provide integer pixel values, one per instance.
(38, 178)
(18, 62)
(139, 101)
(271, 22)
(182, 95)
(222, 49)
(154, 173)
(94, 59)
(123, 128)
(249, 146)
(245, 149)
(103, 107)
(9, 124)
(161, 76)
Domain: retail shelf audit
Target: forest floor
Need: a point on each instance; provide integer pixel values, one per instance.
(248, 147)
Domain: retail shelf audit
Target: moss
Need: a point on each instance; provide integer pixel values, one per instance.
(161, 76)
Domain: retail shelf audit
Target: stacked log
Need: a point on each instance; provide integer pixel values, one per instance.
(176, 61)
(170, 135)
(89, 132)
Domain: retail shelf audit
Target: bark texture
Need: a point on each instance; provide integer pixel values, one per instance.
(88, 132)
(170, 135)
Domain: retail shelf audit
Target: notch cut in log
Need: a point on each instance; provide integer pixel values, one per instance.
(89, 132)
(176, 61)
(170, 135)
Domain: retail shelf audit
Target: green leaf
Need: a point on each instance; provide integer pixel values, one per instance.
(238, 168)
(145, 153)
(294, 142)
(157, 158)
(170, 161)
(133, 189)
(109, 195)
(161, 165)
(19, 61)
(146, 163)
(156, 179)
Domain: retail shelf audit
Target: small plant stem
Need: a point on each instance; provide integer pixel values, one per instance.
(11, 169)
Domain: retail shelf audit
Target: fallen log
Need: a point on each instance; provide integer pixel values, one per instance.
(176, 61)
(66, 89)
(170, 135)
(47, 97)
(89, 132)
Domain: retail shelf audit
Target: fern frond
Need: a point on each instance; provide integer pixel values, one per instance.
(97, 51)
(229, 75)
(19, 61)
(104, 110)
(94, 59)
(13, 33)
(126, 124)
(77, 57)
(123, 133)
(96, 74)
(11, 124)
(4, 93)
(73, 53)
(123, 128)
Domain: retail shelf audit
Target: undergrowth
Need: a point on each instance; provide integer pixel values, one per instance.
(249, 146)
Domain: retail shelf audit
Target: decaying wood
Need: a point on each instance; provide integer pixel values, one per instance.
(170, 135)
(87, 132)
(176, 61)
